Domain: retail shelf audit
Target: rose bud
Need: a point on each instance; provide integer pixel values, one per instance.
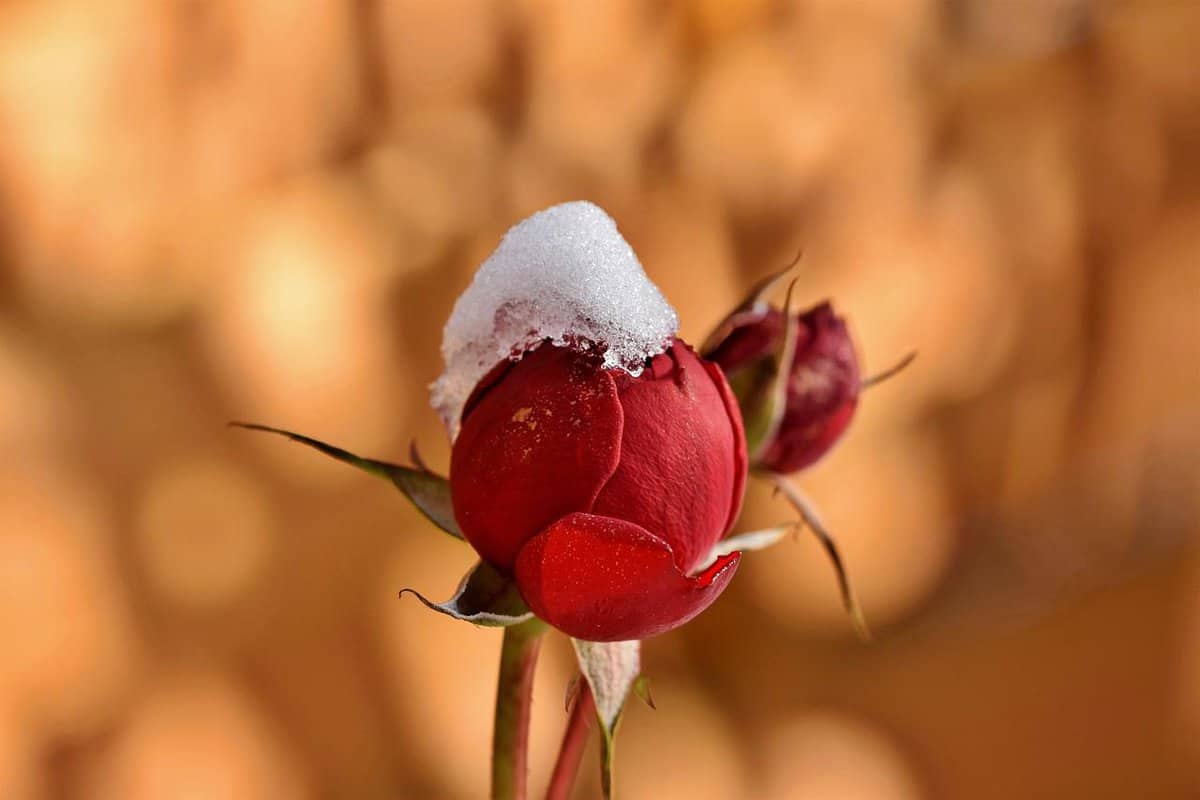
(819, 392)
(796, 378)
(601, 492)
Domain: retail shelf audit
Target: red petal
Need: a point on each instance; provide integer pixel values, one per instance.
(822, 393)
(538, 444)
(603, 580)
(741, 458)
(679, 470)
(490, 379)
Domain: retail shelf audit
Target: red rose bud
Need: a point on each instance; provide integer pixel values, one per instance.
(792, 425)
(602, 493)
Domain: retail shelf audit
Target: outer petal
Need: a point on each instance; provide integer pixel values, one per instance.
(679, 465)
(741, 459)
(604, 580)
(537, 445)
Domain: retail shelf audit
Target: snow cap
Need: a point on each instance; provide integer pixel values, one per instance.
(564, 274)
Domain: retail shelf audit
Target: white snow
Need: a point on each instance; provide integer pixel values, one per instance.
(564, 274)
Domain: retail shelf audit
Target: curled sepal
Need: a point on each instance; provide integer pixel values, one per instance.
(611, 670)
(429, 492)
(485, 597)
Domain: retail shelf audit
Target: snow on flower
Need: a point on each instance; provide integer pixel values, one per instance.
(564, 274)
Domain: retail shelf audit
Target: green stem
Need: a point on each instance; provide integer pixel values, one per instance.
(606, 762)
(514, 689)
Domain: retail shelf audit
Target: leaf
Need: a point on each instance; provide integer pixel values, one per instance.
(429, 492)
(485, 597)
(611, 670)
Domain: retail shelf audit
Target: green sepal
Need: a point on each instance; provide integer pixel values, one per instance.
(485, 597)
(429, 492)
(761, 388)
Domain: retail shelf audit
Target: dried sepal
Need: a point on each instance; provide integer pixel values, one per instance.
(749, 542)
(485, 597)
(887, 374)
(813, 521)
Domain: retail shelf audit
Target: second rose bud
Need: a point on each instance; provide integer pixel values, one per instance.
(796, 379)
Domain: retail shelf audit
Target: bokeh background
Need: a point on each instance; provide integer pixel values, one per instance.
(264, 210)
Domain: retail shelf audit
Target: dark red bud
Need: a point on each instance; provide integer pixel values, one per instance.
(599, 490)
(822, 382)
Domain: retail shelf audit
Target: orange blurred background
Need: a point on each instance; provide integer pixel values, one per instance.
(264, 210)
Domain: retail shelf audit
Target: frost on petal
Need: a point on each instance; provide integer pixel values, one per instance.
(564, 274)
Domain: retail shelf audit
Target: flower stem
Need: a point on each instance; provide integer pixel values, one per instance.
(514, 689)
(579, 725)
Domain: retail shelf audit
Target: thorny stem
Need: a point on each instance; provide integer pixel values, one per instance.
(813, 521)
(514, 689)
(579, 725)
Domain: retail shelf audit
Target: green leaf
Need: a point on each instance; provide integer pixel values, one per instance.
(429, 492)
(485, 597)
(611, 670)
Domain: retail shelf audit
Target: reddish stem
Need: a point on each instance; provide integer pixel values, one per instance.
(510, 737)
(579, 725)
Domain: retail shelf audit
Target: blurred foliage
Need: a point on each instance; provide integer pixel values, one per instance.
(264, 210)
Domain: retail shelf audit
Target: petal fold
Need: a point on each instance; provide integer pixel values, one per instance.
(602, 579)
(682, 456)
